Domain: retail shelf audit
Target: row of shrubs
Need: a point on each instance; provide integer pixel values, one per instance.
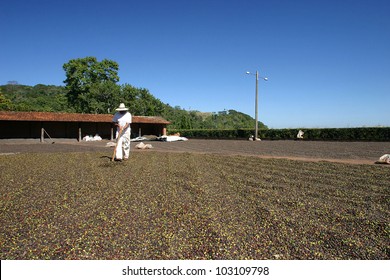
(327, 134)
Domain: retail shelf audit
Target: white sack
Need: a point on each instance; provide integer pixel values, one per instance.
(385, 159)
(143, 146)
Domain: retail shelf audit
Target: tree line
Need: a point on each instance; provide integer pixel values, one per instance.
(91, 86)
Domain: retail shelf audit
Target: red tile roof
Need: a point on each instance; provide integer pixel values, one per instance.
(72, 117)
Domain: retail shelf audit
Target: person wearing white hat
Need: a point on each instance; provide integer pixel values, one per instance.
(122, 120)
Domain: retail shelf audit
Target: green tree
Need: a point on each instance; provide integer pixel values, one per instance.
(141, 102)
(103, 97)
(84, 73)
(5, 103)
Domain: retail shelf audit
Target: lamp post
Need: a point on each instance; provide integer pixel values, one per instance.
(256, 102)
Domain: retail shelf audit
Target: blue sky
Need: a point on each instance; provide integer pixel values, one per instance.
(328, 62)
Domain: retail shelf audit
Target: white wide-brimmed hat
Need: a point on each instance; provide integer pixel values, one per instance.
(122, 107)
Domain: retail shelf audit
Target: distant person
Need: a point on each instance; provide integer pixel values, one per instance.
(122, 120)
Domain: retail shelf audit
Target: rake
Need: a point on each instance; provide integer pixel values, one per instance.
(116, 145)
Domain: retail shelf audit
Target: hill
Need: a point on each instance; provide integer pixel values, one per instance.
(50, 98)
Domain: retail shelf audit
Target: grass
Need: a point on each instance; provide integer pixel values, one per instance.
(191, 206)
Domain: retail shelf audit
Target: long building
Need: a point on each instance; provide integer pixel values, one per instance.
(71, 125)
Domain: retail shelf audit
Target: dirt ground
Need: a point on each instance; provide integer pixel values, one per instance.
(346, 152)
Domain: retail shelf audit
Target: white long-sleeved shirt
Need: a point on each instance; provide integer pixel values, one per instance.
(122, 120)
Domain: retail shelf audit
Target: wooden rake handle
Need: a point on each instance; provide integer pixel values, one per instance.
(116, 145)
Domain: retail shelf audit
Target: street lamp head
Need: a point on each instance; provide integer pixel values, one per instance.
(248, 72)
(265, 79)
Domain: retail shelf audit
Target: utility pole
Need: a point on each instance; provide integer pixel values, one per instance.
(256, 106)
(257, 103)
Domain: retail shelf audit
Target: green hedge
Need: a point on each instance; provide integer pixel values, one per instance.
(324, 134)
(213, 133)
